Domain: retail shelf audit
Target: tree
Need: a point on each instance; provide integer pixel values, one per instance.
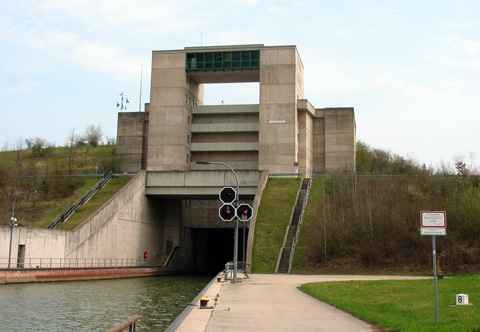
(71, 145)
(41, 148)
(93, 135)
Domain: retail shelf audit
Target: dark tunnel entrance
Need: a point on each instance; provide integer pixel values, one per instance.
(213, 248)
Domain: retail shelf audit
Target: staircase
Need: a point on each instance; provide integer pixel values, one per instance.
(293, 229)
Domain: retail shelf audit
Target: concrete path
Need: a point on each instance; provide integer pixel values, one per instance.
(272, 302)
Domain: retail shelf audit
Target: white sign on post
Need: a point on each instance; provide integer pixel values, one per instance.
(433, 223)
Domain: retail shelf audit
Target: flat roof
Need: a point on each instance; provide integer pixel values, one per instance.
(223, 48)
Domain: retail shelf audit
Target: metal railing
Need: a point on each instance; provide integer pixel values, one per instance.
(82, 200)
(130, 323)
(230, 266)
(295, 238)
(78, 263)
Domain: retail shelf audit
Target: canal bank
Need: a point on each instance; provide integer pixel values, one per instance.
(271, 302)
(13, 276)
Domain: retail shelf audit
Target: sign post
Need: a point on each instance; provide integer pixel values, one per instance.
(434, 223)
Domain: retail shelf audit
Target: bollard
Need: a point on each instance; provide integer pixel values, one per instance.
(439, 272)
(203, 302)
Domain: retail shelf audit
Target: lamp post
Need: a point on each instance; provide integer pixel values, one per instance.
(13, 220)
(235, 244)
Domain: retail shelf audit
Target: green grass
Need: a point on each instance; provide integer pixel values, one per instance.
(405, 305)
(273, 218)
(300, 259)
(51, 209)
(97, 200)
(55, 160)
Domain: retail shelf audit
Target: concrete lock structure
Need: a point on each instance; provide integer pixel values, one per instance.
(171, 206)
(284, 134)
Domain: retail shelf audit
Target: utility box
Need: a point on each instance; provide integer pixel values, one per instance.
(462, 299)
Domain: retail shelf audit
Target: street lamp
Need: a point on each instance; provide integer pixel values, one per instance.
(13, 222)
(235, 244)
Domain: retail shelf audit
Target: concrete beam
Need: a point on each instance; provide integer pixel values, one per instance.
(224, 146)
(305, 106)
(200, 183)
(224, 127)
(226, 109)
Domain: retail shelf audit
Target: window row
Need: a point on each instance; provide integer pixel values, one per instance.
(223, 60)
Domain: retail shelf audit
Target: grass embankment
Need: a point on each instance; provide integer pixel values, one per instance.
(301, 260)
(51, 209)
(33, 169)
(405, 305)
(81, 159)
(273, 218)
(48, 209)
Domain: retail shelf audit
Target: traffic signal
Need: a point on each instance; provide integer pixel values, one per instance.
(227, 212)
(244, 212)
(227, 195)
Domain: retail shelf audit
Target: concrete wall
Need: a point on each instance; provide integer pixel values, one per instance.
(227, 134)
(172, 96)
(340, 139)
(279, 70)
(38, 243)
(131, 140)
(125, 227)
(256, 203)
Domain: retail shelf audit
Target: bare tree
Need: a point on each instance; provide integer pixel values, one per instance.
(29, 142)
(5, 146)
(71, 145)
(110, 141)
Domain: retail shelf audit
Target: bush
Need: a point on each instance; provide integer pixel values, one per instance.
(374, 221)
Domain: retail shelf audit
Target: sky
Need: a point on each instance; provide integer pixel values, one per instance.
(410, 69)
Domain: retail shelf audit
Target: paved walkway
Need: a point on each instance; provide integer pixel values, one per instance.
(272, 302)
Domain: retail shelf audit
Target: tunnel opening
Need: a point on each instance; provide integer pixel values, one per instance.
(213, 248)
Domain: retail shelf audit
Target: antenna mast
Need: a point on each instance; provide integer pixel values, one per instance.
(140, 103)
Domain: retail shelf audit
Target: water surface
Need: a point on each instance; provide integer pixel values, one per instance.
(97, 305)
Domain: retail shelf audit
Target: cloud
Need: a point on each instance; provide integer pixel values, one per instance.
(287, 9)
(467, 55)
(409, 87)
(248, 2)
(49, 30)
(22, 88)
(469, 47)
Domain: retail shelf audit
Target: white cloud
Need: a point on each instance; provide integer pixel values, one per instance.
(468, 53)
(469, 47)
(19, 89)
(249, 2)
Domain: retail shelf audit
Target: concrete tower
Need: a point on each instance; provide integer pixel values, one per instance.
(284, 133)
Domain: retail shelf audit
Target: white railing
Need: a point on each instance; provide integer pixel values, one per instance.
(81, 263)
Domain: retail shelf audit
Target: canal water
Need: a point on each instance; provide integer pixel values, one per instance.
(97, 305)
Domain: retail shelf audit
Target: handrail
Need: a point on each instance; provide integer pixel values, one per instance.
(79, 263)
(294, 242)
(170, 256)
(130, 323)
(82, 200)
